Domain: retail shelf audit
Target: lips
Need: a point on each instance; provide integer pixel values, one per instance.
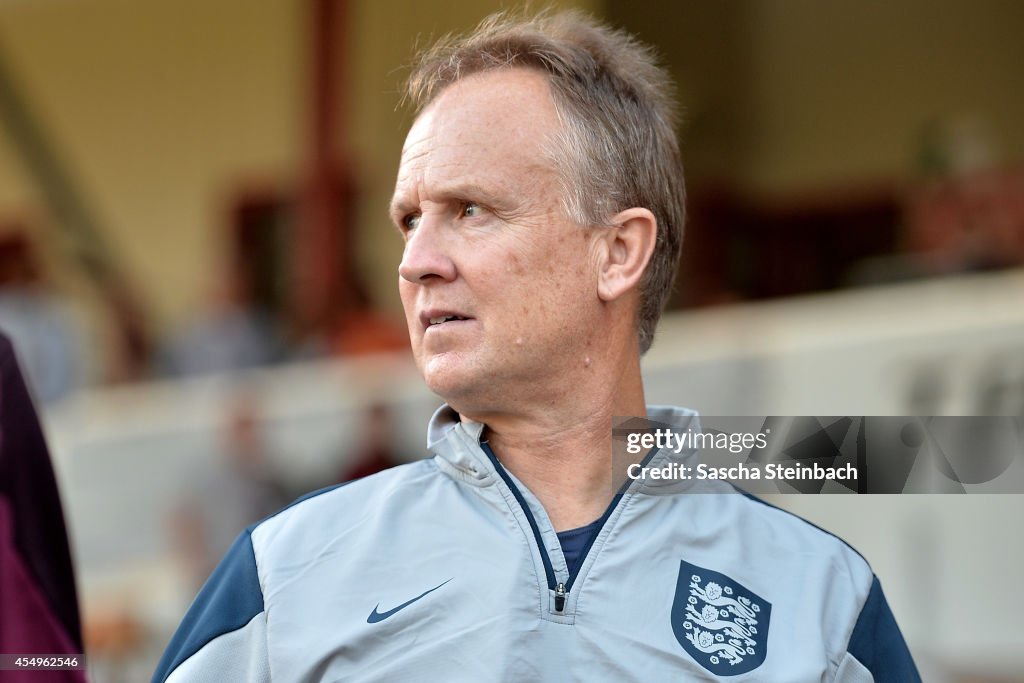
(437, 317)
(444, 318)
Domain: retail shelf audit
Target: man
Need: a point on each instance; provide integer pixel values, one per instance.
(540, 198)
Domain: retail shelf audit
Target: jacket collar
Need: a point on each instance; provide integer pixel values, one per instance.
(456, 442)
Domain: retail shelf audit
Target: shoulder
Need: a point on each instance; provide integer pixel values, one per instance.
(322, 516)
(804, 560)
(351, 496)
(782, 557)
(853, 603)
(8, 360)
(228, 617)
(765, 524)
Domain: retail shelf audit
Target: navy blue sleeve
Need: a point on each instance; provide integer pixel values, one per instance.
(878, 644)
(228, 601)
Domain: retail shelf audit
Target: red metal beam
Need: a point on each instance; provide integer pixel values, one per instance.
(323, 241)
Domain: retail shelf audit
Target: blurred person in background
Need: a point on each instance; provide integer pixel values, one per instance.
(965, 223)
(37, 323)
(228, 333)
(361, 329)
(38, 599)
(377, 452)
(540, 197)
(242, 488)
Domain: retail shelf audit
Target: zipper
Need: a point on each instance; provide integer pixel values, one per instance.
(561, 589)
(549, 570)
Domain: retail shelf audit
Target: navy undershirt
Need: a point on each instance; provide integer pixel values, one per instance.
(574, 541)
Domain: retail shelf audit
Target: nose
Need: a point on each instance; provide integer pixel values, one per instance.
(426, 256)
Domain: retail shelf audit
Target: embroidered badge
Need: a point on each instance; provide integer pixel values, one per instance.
(719, 622)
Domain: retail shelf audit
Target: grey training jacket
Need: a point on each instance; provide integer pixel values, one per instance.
(448, 569)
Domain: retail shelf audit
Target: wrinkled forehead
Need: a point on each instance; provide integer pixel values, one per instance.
(514, 90)
(505, 114)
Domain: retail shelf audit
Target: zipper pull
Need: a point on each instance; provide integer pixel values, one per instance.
(560, 597)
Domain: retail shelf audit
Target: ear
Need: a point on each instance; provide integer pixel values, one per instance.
(629, 243)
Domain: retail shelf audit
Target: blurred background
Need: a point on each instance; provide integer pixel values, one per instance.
(198, 273)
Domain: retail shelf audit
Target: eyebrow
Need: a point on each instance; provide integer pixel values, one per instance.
(397, 210)
(460, 191)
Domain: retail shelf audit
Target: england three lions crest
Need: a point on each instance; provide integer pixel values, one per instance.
(722, 624)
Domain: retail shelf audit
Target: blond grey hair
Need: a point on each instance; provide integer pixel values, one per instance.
(617, 148)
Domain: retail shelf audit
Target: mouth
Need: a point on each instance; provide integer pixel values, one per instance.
(435, 319)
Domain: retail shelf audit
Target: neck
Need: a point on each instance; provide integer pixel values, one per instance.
(562, 453)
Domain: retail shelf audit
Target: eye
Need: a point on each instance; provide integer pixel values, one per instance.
(471, 210)
(411, 222)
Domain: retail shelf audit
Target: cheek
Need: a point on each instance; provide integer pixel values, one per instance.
(559, 262)
(408, 296)
(563, 277)
(514, 266)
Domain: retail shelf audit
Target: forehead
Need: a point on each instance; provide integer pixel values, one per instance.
(496, 122)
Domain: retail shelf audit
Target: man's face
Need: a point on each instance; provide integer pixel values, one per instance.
(498, 285)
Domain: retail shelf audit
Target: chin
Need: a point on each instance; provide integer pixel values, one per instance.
(462, 398)
(445, 376)
(466, 390)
